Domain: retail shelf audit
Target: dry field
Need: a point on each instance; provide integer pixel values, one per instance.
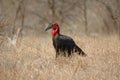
(34, 59)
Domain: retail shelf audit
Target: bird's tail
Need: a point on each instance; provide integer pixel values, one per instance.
(77, 49)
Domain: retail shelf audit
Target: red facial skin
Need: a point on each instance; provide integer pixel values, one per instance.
(55, 29)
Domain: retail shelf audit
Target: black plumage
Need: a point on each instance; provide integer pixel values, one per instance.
(63, 43)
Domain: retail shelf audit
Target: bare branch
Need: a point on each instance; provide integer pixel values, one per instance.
(20, 12)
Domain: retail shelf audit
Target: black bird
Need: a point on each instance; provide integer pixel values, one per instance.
(61, 42)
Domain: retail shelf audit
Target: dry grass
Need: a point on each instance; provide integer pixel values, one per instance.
(35, 60)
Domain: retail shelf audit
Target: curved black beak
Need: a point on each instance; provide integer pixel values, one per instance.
(49, 27)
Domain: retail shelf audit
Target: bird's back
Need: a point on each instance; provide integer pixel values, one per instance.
(63, 43)
(66, 40)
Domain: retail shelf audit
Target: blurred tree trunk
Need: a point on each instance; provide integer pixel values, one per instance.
(61, 14)
(114, 16)
(118, 17)
(85, 16)
(51, 4)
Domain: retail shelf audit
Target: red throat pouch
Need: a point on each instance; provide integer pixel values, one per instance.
(54, 31)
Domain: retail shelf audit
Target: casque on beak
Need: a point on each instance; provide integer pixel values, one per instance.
(49, 27)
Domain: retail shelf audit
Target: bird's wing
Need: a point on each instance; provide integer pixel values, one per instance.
(66, 40)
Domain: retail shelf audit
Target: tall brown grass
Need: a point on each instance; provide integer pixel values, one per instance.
(35, 60)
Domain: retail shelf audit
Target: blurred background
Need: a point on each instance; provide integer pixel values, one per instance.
(26, 50)
(91, 17)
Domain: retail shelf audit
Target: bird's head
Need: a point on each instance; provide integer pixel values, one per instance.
(55, 28)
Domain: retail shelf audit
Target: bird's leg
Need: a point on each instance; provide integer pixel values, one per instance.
(57, 52)
(69, 52)
(65, 54)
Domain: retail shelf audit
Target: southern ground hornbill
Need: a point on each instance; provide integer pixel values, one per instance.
(63, 43)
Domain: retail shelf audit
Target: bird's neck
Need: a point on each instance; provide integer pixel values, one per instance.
(55, 32)
(56, 36)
